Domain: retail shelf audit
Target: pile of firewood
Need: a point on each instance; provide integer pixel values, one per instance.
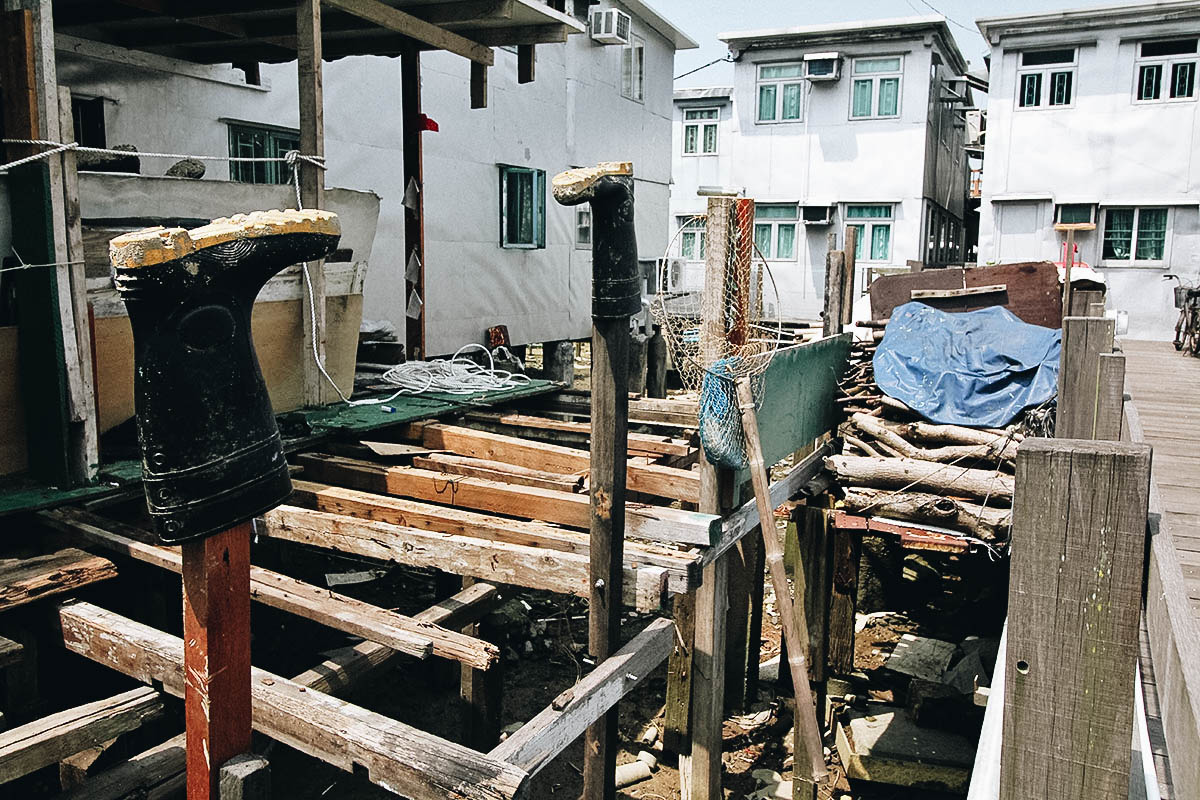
(857, 388)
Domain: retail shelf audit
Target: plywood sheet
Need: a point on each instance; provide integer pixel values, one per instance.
(1032, 290)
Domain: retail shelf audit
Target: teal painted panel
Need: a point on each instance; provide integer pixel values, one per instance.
(796, 402)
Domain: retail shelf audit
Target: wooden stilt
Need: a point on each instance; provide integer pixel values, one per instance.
(216, 635)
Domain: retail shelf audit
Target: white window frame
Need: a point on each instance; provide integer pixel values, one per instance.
(583, 222)
(633, 81)
(867, 225)
(874, 78)
(701, 126)
(1168, 64)
(1133, 262)
(780, 84)
(775, 224)
(692, 226)
(1047, 73)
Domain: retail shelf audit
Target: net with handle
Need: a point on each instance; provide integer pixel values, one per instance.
(720, 318)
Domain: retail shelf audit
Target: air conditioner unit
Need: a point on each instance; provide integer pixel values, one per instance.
(673, 276)
(823, 66)
(610, 26)
(816, 215)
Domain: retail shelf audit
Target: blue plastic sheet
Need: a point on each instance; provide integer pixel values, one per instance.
(978, 368)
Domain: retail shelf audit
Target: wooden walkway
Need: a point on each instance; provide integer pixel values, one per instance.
(1164, 386)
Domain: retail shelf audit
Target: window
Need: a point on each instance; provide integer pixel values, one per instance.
(875, 91)
(1135, 234)
(700, 131)
(874, 225)
(1075, 213)
(633, 69)
(522, 207)
(258, 141)
(1165, 71)
(1046, 78)
(583, 227)
(88, 116)
(780, 92)
(775, 230)
(691, 238)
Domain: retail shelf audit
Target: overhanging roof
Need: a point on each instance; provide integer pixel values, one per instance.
(1072, 21)
(224, 31)
(841, 33)
(660, 24)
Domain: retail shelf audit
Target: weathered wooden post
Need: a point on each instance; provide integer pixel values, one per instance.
(1078, 546)
(616, 296)
(1085, 339)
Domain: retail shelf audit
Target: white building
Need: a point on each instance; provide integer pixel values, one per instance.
(830, 125)
(525, 262)
(1092, 117)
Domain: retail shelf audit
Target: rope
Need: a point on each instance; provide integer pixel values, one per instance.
(23, 265)
(289, 158)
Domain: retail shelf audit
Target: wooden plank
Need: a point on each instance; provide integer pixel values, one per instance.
(849, 279)
(656, 523)
(498, 562)
(1084, 302)
(1084, 340)
(216, 655)
(946, 294)
(1110, 397)
(644, 442)
(404, 759)
(49, 740)
(835, 265)
(482, 692)
(24, 580)
(680, 565)
(842, 601)
(647, 479)
(393, 19)
(405, 634)
(677, 727)
(498, 471)
(1078, 542)
(642, 411)
(538, 741)
(315, 391)
(1033, 290)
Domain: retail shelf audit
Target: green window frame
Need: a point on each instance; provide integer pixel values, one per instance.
(874, 225)
(522, 207)
(692, 236)
(1165, 71)
(1046, 78)
(780, 92)
(875, 89)
(1135, 235)
(775, 227)
(247, 140)
(700, 131)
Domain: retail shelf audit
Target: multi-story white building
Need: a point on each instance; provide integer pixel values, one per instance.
(1092, 117)
(831, 125)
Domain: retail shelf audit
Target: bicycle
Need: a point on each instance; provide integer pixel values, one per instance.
(1187, 329)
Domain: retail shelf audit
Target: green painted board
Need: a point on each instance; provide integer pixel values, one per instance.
(797, 396)
(21, 493)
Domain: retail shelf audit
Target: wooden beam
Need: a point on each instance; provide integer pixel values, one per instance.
(462, 13)
(652, 479)
(216, 657)
(553, 33)
(498, 562)
(157, 772)
(479, 85)
(312, 194)
(849, 250)
(10, 652)
(338, 611)
(645, 443)
(526, 63)
(1084, 340)
(51, 739)
(681, 567)
(406, 760)
(1110, 397)
(393, 19)
(499, 471)
(1075, 598)
(538, 741)
(835, 265)
(656, 523)
(23, 580)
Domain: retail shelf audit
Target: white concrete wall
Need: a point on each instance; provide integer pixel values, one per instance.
(827, 158)
(1106, 149)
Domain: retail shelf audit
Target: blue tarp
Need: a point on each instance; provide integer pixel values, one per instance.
(978, 368)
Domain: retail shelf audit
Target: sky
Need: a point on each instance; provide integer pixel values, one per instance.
(703, 20)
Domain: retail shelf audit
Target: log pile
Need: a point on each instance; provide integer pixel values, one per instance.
(897, 465)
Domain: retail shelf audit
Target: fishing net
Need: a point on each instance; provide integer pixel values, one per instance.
(718, 335)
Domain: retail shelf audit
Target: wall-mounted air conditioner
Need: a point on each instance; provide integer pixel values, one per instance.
(823, 66)
(673, 276)
(610, 26)
(816, 215)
